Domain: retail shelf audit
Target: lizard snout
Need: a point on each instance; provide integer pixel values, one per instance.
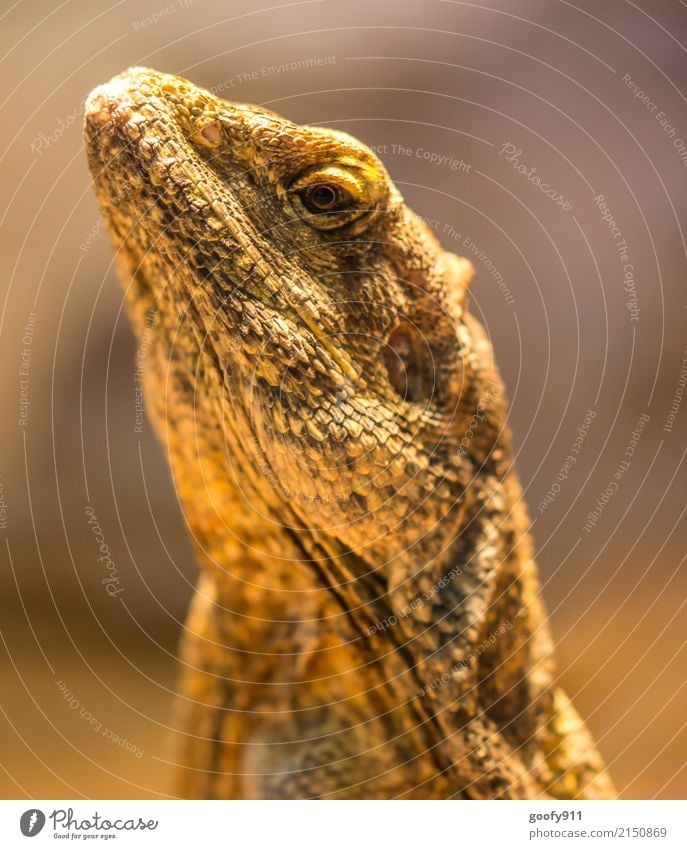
(107, 106)
(122, 112)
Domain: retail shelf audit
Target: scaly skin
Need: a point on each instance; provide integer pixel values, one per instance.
(368, 621)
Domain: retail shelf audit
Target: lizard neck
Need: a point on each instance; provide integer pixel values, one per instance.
(444, 611)
(461, 642)
(450, 626)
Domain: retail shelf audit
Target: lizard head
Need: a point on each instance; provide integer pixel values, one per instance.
(319, 329)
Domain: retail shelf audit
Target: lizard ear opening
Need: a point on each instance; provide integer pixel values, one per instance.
(409, 364)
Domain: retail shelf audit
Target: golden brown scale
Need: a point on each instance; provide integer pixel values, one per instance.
(368, 621)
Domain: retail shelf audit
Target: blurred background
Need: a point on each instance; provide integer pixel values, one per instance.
(583, 294)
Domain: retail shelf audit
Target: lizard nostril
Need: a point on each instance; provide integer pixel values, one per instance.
(99, 119)
(108, 106)
(97, 111)
(211, 135)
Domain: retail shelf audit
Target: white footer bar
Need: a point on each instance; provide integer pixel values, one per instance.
(330, 824)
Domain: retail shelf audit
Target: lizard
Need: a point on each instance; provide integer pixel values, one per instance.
(368, 621)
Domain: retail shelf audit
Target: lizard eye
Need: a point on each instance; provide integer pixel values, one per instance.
(324, 197)
(330, 197)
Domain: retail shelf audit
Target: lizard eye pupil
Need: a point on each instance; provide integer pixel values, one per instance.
(322, 197)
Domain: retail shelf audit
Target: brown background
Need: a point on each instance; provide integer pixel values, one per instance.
(452, 78)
